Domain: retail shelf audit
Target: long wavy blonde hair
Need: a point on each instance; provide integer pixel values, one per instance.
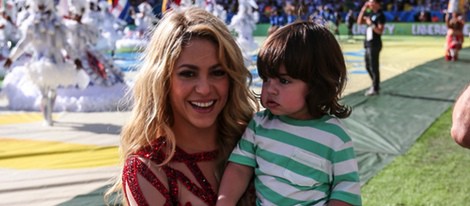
(152, 118)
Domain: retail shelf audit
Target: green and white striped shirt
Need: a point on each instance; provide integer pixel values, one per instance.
(299, 162)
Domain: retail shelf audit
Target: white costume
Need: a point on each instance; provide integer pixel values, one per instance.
(33, 84)
(216, 9)
(9, 35)
(107, 85)
(110, 29)
(144, 19)
(24, 11)
(54, 47)
(92, 14)
(137, 38)
(244, 23)
(46, 38)
(82, 37)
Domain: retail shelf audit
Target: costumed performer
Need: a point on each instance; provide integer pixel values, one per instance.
(244, 23)
(111, 29)
(9, 33)
(137, 38)
(107, 85)
(144, 19)
(47, 68)
(455, 36)
(83, 37)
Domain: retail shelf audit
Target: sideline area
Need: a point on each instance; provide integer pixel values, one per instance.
(72, 162)
(386, 126)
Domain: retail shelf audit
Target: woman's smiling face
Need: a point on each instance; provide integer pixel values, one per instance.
(199, 86)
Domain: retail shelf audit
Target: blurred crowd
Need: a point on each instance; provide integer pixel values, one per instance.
(395, 10)
(289, 10)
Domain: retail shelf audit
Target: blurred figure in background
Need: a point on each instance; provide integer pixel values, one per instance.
(454, 37)
(244, 24)
(372, 15)
(9, 34)
(144, 19)
(350, 20)
(53, 62)
(276, 20)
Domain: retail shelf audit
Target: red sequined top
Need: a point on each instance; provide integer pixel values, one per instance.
(136, 171)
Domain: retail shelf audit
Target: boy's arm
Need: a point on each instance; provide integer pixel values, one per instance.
(234, 183)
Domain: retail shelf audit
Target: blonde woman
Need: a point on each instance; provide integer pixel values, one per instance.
(191, 105)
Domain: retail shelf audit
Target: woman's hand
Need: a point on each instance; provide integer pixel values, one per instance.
(365, 6)
(368, 21)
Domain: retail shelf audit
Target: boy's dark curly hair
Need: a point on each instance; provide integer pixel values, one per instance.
(309, 52)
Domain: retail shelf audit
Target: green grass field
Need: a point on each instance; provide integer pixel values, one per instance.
(435, 171)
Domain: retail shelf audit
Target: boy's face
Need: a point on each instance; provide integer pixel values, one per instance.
(285, 96)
